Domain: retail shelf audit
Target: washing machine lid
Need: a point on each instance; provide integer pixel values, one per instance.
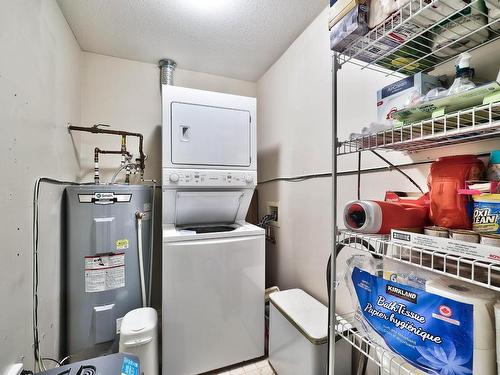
(207, 207)
(172, 233)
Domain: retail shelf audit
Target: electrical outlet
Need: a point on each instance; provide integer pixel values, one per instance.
(273, 208)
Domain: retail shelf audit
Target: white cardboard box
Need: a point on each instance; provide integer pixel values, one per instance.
(447, 245)
(394, 97)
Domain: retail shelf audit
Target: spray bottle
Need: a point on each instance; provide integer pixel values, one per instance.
(464, 74)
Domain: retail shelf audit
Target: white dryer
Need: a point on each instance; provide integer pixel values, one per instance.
(213, 262)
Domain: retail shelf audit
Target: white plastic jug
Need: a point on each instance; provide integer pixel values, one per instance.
(139, 336)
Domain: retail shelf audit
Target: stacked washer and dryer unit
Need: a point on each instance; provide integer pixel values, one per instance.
(213, 261)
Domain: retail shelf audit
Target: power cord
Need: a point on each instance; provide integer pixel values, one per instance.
(39, 360)
(399, 170)
(267, 220)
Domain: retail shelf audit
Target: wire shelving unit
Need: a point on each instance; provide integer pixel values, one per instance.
(473, 124)
(420, 36)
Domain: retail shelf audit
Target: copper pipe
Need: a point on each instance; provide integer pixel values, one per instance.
(98, 150)
(123, 152)
(97, 130)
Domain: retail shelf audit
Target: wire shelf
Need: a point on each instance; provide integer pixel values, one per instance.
(389, 362)
(423, 34)
(468, 125)
(479, 272)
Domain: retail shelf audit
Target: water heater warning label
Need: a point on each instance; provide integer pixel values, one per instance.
(104, 272)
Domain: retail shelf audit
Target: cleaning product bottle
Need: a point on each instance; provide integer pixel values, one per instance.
(493, 173)
(447, 175)
(380, 217)
(464, 74)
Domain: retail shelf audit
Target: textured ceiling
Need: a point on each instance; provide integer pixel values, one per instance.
(233, 38)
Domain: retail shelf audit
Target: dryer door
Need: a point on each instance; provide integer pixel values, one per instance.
(210, 136)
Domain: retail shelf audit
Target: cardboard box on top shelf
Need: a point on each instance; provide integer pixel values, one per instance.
(340, 8)
(349, 29)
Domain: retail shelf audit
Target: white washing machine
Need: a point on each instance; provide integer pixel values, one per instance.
(213, 297)
(213, 261)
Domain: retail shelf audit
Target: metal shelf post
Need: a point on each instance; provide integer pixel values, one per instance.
(333, 269)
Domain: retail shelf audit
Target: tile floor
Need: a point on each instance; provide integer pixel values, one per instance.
(256, 368)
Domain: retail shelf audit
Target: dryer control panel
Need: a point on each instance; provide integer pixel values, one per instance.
(203, 178)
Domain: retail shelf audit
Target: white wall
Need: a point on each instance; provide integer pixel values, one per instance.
(39, 95)
(294, 138)
(126, 95)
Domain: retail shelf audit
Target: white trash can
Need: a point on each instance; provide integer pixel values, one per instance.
(298, 336)
(139, 336)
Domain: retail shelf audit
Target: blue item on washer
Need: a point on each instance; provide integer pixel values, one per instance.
(114, 364)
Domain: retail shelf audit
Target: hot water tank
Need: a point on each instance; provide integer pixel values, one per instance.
(103, 280)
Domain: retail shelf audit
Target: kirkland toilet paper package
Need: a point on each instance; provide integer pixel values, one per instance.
(441, 324)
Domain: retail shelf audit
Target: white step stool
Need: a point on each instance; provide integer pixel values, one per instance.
(298, 336)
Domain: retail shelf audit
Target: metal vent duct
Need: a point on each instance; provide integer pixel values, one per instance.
(167, 68)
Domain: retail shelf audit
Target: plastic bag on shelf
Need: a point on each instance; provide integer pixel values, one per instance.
(396, 312)
(460, 34)
(380, 10)
(372, 128)
(436, 93)
(439, 10)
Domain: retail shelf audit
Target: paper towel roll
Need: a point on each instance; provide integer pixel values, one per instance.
(484, 334)
(493, 13)
(497, 325)
(456, 30)
(482, 299)
(439, 11)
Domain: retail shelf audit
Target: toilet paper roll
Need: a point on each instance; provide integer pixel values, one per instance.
(455, 31)
(392, 364)
(497, 325)
(484, 362)
(493, 13)
(439, 11)
(482, 300)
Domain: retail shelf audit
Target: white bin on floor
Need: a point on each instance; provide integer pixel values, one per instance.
(139, 336)
(298, 336)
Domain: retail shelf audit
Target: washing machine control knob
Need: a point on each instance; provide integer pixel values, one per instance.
(174, 177)
(248, 179)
